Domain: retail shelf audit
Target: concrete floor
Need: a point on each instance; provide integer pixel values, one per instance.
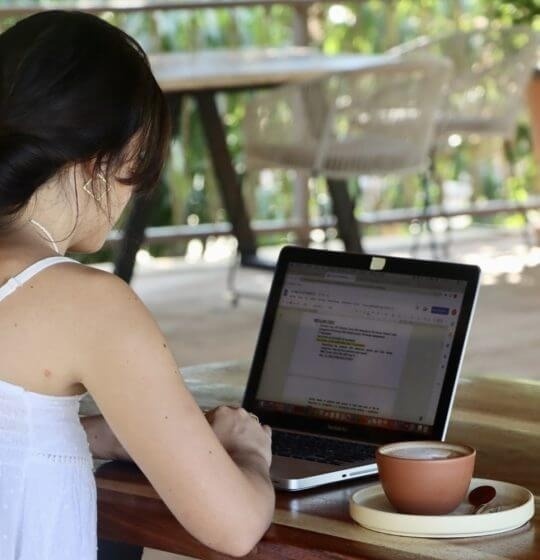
(190, 303)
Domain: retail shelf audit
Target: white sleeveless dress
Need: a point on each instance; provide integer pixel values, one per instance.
(47, 488)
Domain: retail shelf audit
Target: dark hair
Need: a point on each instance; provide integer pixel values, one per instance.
(74, 88)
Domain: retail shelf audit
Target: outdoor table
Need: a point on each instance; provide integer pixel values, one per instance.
(500, 417)
(202, 75)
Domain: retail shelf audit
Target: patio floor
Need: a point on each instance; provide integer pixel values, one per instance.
(190, 303)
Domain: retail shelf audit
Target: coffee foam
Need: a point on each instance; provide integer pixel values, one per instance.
(425, 453)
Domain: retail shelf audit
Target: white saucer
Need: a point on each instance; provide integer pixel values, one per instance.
(370, 508)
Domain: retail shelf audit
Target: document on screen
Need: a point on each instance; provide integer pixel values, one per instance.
(347, 358)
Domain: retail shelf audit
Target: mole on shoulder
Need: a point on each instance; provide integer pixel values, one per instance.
(47, 373)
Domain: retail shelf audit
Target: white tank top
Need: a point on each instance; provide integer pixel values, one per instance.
(47, 488)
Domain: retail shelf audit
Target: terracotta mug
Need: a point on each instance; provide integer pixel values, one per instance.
(425, 477)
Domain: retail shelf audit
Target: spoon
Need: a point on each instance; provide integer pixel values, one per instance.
(480, 497)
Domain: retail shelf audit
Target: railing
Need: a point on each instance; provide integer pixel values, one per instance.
(171, 234)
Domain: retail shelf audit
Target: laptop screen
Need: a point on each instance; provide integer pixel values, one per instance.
(360, 347)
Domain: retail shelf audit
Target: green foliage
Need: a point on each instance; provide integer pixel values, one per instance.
(367, 26)
(519, 11)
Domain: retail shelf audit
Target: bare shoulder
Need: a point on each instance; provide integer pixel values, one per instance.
(94, 281)
(106, 306)
(102, 318)
(120, 346)
(98, 293)
(80, 323)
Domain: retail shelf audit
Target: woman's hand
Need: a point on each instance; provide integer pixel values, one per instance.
(241, 434)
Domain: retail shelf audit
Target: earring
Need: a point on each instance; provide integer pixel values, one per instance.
(103, 193)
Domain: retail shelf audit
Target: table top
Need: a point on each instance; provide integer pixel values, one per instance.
(226, 69)
(500, 417)
(96, 6)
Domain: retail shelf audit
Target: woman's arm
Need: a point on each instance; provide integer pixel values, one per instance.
(101, 439)
(105, 445)
(213, 476)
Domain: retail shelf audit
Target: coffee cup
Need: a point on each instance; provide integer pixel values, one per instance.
(425, 477)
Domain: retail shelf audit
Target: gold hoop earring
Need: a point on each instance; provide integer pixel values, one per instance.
(103, 193)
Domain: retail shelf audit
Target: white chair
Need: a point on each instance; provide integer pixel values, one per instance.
(373, 121)
(491, 70)
(376, 120)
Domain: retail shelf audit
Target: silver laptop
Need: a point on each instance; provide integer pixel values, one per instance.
(356, 351)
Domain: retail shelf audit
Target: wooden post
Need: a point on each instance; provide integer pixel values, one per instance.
(301, 180)
(533, 98)
(225, 173)
(343, 208)
(301, 207)
(300, 25)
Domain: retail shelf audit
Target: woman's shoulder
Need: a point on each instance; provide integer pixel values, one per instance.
(96, 290)
(92, 280)
(99, 311)
(54, 282)
(80, 299)
(60, 320)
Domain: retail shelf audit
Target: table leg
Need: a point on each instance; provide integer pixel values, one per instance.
(301, 207)
(343, 206)
(226, 176)
(140, 211)
(109, 550)
(133, 238)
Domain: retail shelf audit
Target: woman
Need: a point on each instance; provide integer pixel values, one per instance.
(83, 127)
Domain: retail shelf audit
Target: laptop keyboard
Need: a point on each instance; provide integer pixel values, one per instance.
(320, 450)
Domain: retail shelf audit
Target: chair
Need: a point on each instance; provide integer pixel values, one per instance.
(376, 120)
(486, 93)
(373, 121)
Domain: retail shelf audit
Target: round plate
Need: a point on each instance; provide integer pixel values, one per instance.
(370, 508)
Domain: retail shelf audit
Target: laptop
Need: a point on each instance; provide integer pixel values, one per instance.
(356, 351)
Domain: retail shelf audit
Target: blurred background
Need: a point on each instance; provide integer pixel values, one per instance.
(475, 169)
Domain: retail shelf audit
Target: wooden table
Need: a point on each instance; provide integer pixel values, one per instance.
(249, 68)
(203, 75)
(500, 417)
